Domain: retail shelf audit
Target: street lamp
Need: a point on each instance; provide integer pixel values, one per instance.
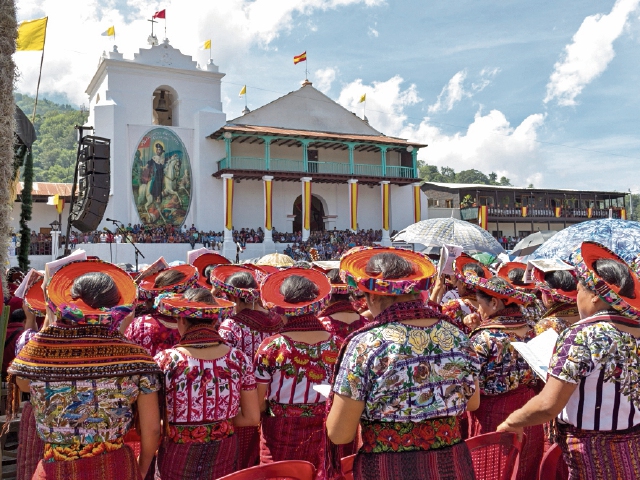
(55, 226)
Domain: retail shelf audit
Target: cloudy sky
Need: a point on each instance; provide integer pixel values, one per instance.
(543, 92)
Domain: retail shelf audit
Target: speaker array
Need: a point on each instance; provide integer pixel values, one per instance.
(93, 183)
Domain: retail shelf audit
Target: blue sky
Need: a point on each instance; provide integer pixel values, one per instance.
(542, 92)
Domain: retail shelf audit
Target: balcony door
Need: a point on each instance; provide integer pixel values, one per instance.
(317, 214)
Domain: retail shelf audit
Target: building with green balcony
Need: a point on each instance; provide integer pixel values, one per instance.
(303, 138)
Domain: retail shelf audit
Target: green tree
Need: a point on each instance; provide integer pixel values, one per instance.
(54, 151)
(472, 176)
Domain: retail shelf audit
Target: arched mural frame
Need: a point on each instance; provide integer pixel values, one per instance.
(161, 178)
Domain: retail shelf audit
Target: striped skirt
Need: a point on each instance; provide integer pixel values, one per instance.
(592, 455)
(494, 409)
(119, 464)
(30, 446)
(196, 461)
(292, 438)
(450, 463)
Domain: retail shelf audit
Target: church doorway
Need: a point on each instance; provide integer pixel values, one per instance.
(317, 214)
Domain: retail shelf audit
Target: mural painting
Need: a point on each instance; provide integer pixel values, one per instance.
(161, 178)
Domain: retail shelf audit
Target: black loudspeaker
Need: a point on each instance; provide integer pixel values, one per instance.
(94, 180)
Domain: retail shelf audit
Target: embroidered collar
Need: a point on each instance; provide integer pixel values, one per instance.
(302, 323)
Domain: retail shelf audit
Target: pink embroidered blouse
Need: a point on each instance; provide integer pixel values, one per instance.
(204, 391)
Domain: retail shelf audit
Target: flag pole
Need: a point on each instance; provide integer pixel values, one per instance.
(35, 104)
(165, 26)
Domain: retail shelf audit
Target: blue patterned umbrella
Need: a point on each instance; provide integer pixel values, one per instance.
(437, 232)
(621, 236)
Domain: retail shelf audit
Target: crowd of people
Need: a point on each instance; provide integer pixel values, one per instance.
(327, 245)
(207, 369)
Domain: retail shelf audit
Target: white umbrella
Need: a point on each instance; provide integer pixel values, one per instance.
(437, 232)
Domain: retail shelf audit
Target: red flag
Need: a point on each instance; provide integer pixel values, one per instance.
(300, 58)
(160, 14)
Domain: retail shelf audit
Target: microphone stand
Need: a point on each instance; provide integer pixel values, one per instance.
(123, 232)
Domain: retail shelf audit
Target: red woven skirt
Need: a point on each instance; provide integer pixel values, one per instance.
(451, 463)
(494, 409)
(30, 446)
(119, 464)
(592, 455)
(248, 446)
(196, 461)
(292, 438)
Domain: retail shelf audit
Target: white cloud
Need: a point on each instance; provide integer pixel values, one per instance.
(373, 32)
(451, 93)
(486, 76)
(323, 78)
(386, 102)
(454, 90)
(489, 144)
(589, 54)
(74, 43)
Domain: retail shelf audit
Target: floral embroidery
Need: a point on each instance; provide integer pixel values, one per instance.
(150, 333)
(204, 391)
(201, 433)
(295, 410)
(456, 309)
(75, 451)
(380, 437)
(406, 373)
(292, 368)
(582, 350)
(503, 369)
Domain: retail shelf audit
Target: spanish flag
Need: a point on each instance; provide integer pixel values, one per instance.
(31, 35)
(110, 32)
(363, 98)
(300, 58)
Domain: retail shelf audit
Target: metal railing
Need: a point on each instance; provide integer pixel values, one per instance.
(336, 168)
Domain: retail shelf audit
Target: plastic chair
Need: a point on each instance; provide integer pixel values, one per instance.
(495, 455)
(290, 469)
(553, 466)
(347, 466)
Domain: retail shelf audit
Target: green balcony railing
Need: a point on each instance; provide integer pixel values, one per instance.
(336, 168)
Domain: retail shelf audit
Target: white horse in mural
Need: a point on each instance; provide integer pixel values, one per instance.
(171, 175)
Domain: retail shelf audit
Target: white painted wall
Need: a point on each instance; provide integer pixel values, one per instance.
(121, 108)
(41, 216)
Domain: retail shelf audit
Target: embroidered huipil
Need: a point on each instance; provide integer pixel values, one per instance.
(339, 328)
(200, 393)
(406, 373)
(243, 332)
(291, 368)
(149, 332)
(551, 320)
(605, 363)
(87, 411)
(456, 310)
(502, 368)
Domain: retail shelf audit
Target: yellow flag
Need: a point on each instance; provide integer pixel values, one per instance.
(243, 91)
(363, 98)
(206, 45)
(110, 32)
(31, 35)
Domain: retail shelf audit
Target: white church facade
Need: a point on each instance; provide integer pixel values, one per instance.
(299, 163)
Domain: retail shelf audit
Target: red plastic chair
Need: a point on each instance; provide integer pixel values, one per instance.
(347, 466)
(495, 455)
(290, 469)
(553, 466)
